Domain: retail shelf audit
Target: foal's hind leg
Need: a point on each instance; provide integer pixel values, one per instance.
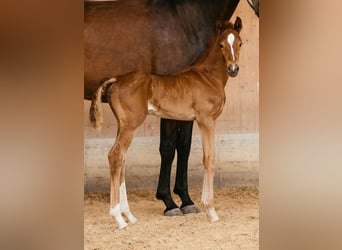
(207, 128)
(118, 196)
(128, 103)
(123, 199)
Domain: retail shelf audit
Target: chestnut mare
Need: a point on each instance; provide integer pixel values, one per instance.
(196, 93)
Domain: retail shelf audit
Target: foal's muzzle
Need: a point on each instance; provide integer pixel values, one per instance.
(233, 70)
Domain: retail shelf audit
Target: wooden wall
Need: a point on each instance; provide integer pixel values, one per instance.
(237, 126)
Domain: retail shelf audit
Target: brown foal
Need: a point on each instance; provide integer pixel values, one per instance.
(196, 93)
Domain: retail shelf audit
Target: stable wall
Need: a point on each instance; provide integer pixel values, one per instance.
(237, 140)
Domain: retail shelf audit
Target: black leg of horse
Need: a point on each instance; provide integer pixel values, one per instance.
(183, 146)
(168, 139)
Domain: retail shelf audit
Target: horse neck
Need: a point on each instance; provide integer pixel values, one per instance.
(198, 18)
(211, 62)
(217, 9)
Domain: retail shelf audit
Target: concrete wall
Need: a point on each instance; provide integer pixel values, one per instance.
(237, 141)
(236, 157)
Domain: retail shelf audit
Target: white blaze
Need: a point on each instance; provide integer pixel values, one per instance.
(230, 40)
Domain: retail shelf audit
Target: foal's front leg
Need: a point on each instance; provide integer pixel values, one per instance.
(207, 128)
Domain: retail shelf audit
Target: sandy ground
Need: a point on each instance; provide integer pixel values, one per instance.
(238, 227)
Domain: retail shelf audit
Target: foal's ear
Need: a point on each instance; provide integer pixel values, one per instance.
(219, 25)
(238, 24)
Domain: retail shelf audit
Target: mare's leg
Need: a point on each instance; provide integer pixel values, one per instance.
(168, 133)
(183, 145)
(207, 128)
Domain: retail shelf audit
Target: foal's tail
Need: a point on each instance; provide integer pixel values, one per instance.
(95, 112)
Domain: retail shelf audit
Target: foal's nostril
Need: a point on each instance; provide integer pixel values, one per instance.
(233, 70)
(230, 68)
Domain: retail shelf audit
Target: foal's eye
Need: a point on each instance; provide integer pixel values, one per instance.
(240, 44)
(221, 45)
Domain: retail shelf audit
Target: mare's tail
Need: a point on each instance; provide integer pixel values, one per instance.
(95, 112)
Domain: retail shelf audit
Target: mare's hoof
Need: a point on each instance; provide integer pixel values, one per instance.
(173, 212)
(190, 209)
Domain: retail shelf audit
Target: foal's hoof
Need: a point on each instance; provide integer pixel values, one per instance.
(190, 209)
(173, 212)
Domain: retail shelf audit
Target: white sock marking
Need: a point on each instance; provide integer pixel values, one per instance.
(117, 214)
(212, 214)
(124, 204)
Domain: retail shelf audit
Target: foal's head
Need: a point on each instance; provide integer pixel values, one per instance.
(230, 43)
